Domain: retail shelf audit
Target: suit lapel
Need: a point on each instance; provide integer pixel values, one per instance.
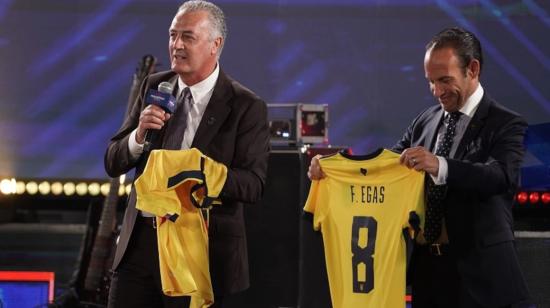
(174, 82)
(215, 114)
(476, 123)
(431, 129)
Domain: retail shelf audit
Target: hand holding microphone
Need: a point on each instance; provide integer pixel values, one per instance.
(161, 104)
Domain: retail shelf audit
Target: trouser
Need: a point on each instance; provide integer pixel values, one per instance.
(136, 282)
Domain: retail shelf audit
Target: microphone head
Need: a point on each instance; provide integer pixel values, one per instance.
(162, 97)
(165, 87)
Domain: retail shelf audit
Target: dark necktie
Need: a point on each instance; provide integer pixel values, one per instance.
(175, 128)
(436, 193)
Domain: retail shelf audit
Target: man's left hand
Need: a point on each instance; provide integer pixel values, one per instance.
(420, 159)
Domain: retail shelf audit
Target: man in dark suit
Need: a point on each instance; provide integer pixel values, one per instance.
(465, 256)
(225, 121)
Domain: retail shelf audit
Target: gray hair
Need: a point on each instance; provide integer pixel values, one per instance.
(216, 16)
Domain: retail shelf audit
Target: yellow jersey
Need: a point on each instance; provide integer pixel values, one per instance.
(172, 186)
(361, 207)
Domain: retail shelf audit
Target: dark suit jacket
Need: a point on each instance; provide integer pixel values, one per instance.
(482, 179)
(233, 131)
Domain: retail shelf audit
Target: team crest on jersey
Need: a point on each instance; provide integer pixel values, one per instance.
(363, 171)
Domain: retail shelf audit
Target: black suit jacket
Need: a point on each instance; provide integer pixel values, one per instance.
(482, 178)
(233, 131)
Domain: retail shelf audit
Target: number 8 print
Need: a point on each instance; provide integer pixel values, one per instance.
(362, 262)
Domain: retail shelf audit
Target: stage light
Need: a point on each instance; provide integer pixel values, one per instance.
(20, 187)
(13, 183)
(94, 189)
(57, 188)
(44, 188)
(69, 188)
(31, 187)
(534, 197)
(128, 188)
(545, 198)
(522, 197)
(105, 188)
(81, 189)
(7, 186)
(121, 190)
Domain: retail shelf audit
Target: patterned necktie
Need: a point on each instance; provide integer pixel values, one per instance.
(436, 193)
(175, 128)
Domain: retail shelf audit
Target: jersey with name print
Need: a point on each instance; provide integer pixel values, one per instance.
(361, 207)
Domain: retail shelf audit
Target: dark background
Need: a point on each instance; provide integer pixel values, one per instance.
(66, 67)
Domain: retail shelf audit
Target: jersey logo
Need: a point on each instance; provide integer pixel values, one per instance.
(363, 171)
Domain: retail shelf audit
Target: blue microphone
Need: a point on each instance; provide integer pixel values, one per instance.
(164, 99)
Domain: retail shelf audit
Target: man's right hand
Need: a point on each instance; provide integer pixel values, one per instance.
(315, 172)
(152, 117)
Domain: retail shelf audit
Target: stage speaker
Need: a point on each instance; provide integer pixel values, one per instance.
(534, 256)
(272, 229)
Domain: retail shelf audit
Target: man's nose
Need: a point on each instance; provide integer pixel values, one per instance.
(178, 43)
(437, 90)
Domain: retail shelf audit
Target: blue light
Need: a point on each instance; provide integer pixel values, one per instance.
(100, 58)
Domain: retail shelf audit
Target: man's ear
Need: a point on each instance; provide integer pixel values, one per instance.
(217, 45)
(473, 68)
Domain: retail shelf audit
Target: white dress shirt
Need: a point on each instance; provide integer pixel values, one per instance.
(201, 93)
(468, 111)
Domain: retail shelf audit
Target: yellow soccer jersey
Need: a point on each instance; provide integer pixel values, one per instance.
(172, 185)
(361, 208)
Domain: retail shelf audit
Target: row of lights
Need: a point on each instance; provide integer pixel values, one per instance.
(57, 188)
(533, 197)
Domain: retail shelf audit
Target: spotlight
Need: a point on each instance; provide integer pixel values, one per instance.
(20, 187)
(105, 188)
(44, 188)
(7, 187)
(121, 190)
(32, 188)
(81, 189)
(94, 189)
(69, 188)
(128, 189)
(57, 188)
(534, 197)
(545, 198)
(522, 197)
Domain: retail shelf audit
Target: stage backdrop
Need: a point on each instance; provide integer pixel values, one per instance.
(66, 66)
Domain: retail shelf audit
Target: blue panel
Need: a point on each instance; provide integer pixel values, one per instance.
(536, 172)
(23, 294)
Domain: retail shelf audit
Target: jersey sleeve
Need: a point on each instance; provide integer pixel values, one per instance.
(150, 187)
(315, 203)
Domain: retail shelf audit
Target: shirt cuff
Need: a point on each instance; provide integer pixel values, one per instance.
(442, 173)
(134, 148)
